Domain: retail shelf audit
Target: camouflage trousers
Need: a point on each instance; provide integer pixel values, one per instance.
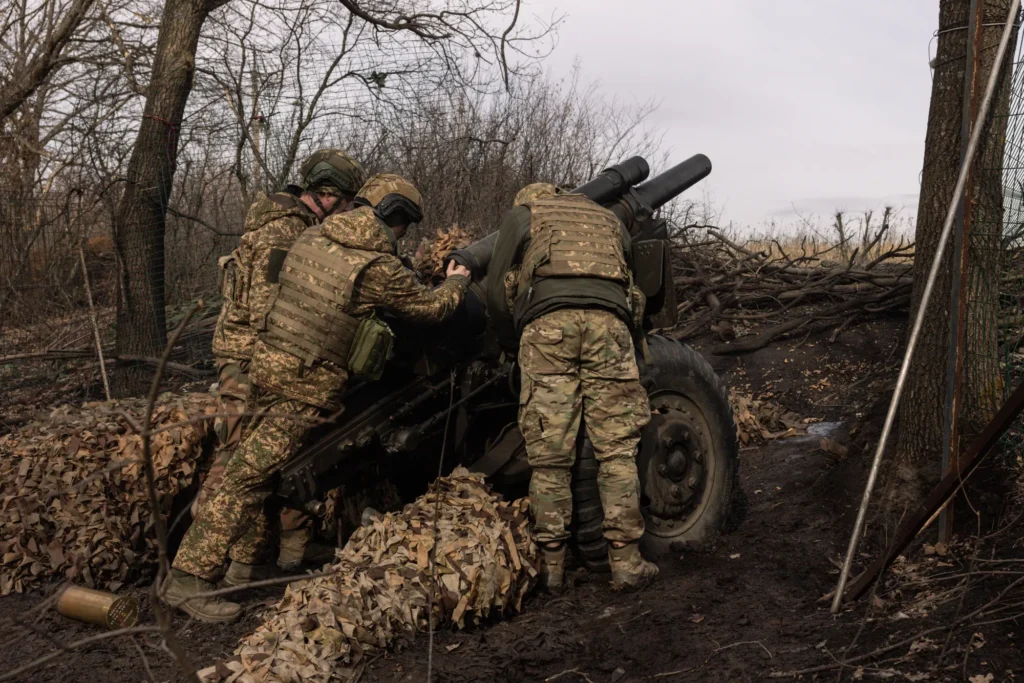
(238, 517)
(232, 394)
(578, 365)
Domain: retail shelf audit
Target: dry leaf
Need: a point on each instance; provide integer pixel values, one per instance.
(987, 678)
(833, 447)
(760, 420)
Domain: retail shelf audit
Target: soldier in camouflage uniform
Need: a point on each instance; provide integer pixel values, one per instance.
(320, 321)
(559, 289)
(330, 181)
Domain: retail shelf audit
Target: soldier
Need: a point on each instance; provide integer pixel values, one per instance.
(320, 328)
(559, 288)
(330, 181)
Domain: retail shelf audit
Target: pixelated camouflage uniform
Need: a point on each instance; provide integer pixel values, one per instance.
(272, 222)
(558, 289)
(294, 390)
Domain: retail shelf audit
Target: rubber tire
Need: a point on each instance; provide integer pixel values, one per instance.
(675, 366)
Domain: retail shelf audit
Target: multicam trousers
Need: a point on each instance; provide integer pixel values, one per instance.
(236, 518)
(578, 364)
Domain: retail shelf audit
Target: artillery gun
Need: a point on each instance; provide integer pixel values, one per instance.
(449, 393)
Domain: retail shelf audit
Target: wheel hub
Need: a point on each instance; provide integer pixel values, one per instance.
(673, 463)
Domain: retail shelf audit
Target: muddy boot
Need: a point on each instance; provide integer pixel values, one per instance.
(552, 567)
(298, 549)
(629, 569)
(240, 573)
(180, 586)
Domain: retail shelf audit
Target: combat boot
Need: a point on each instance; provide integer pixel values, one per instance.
(240, 574)
(180, 586)
(552, 567)
(629, 569)
(298, 549)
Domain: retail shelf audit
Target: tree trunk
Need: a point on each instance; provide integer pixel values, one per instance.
(922, 408)
(983, 378)
(139, 228)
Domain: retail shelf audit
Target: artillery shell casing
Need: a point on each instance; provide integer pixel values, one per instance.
(98, 607)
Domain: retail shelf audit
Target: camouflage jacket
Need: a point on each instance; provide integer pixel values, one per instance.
(386, 284)
(272, 223)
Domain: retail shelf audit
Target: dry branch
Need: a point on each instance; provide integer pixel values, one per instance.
(755, 293)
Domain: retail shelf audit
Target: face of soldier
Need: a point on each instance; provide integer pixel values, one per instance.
(398, 222)
(330, 203)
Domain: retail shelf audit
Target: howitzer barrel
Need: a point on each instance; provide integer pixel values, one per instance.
(666, 186)
(612, 183)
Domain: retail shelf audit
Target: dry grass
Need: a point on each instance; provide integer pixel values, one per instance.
(846, 239)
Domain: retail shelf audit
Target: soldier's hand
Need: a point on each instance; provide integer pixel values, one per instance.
(456, 269)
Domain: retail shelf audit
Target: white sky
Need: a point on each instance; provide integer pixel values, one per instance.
(812, 104)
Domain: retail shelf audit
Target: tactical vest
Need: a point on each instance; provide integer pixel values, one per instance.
(308, 314)
(571, 236)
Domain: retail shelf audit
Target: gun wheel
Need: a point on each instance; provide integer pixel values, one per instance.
(688, 461)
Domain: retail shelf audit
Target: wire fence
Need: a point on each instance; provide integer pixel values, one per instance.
(270, 88)
(993, 289)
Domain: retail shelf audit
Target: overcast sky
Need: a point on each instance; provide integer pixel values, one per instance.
(812, 104)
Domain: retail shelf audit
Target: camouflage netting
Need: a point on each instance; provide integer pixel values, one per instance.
(434, 248)
(323, 629)
(73, 502)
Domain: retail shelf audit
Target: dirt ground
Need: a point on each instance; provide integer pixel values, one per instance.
(747, 610)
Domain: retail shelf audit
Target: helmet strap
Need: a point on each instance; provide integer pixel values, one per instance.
(323, 209)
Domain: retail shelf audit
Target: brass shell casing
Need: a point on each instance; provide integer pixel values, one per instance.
(98, 607)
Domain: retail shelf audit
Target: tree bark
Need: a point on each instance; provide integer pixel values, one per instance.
(922, 408)
(983, 378)
(139, 228)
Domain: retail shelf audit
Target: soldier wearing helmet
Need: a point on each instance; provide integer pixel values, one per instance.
(560, 289)
(319, 329)
(330, 180)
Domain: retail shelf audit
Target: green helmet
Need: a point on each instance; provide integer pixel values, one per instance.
(387, 193)
(534, 191)
(329, 169)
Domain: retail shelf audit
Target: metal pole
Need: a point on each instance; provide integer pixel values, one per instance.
(915, 332)
(957, 308)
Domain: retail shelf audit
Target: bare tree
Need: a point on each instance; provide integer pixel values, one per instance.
(463, 35)
(34, 39)
(922, 413)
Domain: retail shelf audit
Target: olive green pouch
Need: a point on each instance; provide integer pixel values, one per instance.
(370, 348)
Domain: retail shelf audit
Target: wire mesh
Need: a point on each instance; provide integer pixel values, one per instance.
(270, 86)
(993, 362)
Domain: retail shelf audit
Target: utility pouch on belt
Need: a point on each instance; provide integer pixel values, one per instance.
(370, 348)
